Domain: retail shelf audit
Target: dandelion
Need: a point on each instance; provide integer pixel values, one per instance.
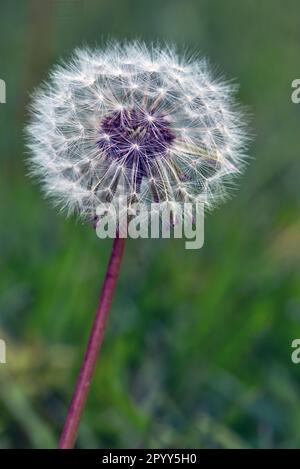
(135, 122)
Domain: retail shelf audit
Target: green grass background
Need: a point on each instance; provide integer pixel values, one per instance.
(197, 351)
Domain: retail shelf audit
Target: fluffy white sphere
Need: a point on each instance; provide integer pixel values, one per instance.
(137, 122)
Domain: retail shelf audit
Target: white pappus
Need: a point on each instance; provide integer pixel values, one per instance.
(138, 122)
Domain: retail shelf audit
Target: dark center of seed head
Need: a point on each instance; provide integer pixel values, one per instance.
(135, 138)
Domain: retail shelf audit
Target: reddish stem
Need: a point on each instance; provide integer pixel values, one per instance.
(69, 433)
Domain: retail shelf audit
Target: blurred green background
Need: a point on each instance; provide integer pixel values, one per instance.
(197, 351)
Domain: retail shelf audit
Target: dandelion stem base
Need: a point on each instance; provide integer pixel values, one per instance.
(76, 408)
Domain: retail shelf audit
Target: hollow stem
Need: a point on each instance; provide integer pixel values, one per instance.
(79, 398)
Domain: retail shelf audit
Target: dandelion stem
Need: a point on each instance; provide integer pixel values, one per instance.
(76, 408)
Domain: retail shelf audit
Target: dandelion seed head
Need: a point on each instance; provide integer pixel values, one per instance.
(135, 122)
